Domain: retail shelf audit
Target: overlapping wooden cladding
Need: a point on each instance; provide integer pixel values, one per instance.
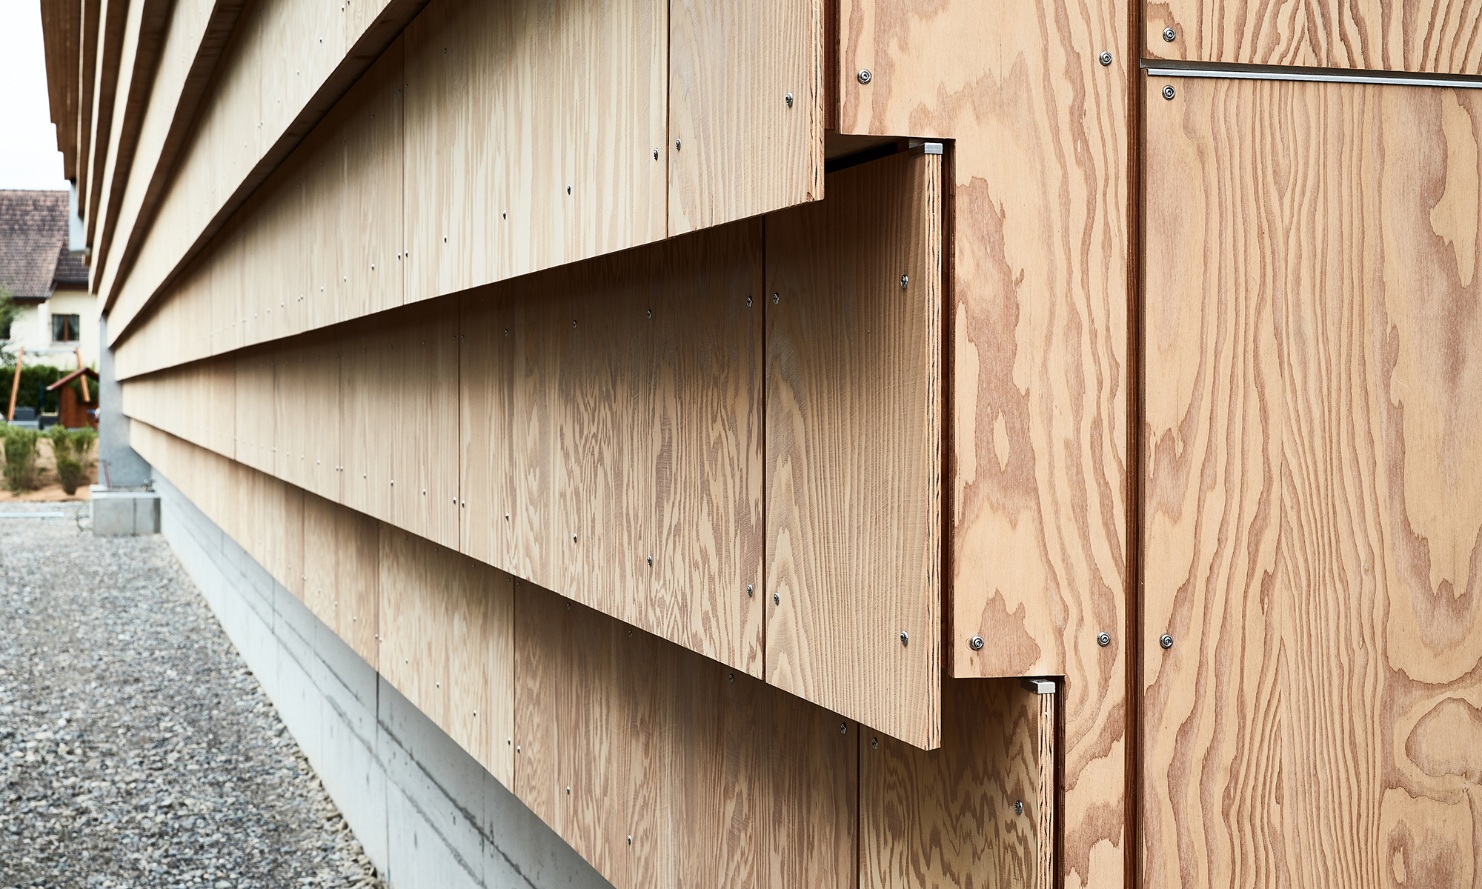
(1314, 517)
(662, 768)
(504, 103)
(599, 430)
(1038, 332)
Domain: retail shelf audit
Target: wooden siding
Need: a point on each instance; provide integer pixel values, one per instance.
(854, 402)
(1417, 36)
(1314, 526)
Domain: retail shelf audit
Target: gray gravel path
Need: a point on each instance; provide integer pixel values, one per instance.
(136, 748)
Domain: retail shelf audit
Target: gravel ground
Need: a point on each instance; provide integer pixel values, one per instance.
(136, 748)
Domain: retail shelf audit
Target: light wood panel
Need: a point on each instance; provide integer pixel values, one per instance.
(1420, 36)
(633, 726)
(488, 431)
(416, 411)
(370, 357)
(1037, 333)
(948, 817)
(854, 452)
(483, 206)
(737, 147)
(1314, 526)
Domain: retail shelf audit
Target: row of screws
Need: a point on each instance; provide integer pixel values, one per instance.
(1102, 639)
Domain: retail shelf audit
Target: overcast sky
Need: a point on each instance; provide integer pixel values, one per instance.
(28, 141)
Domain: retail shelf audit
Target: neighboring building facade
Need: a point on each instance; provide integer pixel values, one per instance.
(873, 443)
(57, 314)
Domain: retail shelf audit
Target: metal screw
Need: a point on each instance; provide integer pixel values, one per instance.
(568, 189)
(788, 100)
(905, 279)
(630, 839)
(749, 591)
(656, 154)
(1170, 35)
(1169, 93)
(650, 561)
(748, 301)
(1103, 639)
(776, 599)
(676, 144)
(573, 323)
(864, 75)
(730, 677)
(843, 728)
(1105, 59)
(1018, 805)
(975, 643)
(1165, 640)
(568, 790)
(905, 639)
(874, 743)
(517, 748)
(506, 517)
(776, 298)
(573, 538)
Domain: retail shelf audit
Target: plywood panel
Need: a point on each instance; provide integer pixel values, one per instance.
(414, 656)
(483, 207)
(1313, 529)
(370, 360)
(979, 811)
(1421, 36)
(718, 779)
(487, 429)
(370, 188)
(745, 109)
(358, 583)
(853, 429)
(1038, 336)
(421, 399)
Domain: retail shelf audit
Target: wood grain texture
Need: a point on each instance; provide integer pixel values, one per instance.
(421, 396)
(736, 147)
(1038, 342)
(1314, 528)
(718, 778)
(370, 359)
(854, 447)
(482, 206)
(947, 817)
(1419, 36)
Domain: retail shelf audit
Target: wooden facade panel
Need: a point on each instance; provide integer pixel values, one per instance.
(745, 109)
(487, 430)
(358, 583)
(1313, 525)
(1038, 339)
(414, 655)
(617, 728)
(483, 207)
(979, 811)
(1418, 36)
(853, 426)
(417, 408)
(370, 356)
(369, 189)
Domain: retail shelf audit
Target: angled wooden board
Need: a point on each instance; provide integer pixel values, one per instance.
(421, 401)
(371, 189)
(1418, 36)
(414, 656)
(487, 429)
(371, 354)
(1313, 530)
(979, 811)
(716, 778)
(854, 447)
(745, 109)
(482, 206)
(1038, 350)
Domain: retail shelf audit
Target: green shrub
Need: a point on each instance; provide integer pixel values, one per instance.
(20, 459)
(73, 450)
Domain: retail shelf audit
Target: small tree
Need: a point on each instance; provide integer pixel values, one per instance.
(73, 451)
(20, 458)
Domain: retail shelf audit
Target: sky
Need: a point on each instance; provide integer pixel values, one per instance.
(28, 142)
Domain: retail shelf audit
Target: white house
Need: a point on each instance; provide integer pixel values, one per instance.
(58, 316)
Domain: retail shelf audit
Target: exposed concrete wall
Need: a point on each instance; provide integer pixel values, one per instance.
(125, 468)
(427, 814)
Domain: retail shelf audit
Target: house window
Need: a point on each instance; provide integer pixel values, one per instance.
(65, 328)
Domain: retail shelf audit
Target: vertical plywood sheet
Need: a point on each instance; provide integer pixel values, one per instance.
(482, 206)
(371, 357)
(358, 583)
(717, 778)
(422, 397)
(854, 400)
(371, 189)
(487, 430)
(1038, 339)
(414, 656)
(1419, 36)
(737, 146)
(1314, 522)
(976, 813)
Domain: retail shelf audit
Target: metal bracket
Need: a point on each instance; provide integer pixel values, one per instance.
(1040, 686)
(925, 146)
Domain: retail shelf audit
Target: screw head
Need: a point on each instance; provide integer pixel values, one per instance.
(975, 643)
(1018, 807)
(905, 280)
(573, 538)
(776, 599)
(788, 100)
(905, 638)
(650, 314)
(630, 839)
(874, 743)
(650, 561)
(749, 591)
(1169, 35)
(656, 154)
(864, 76)
(1103, 639)
(1105, 58)
(1169, 93)
(776, 298)
(748, 301)
(1165, 640)
(676, 144)
(843, 728)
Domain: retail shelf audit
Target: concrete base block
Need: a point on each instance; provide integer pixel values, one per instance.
(124, 513)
